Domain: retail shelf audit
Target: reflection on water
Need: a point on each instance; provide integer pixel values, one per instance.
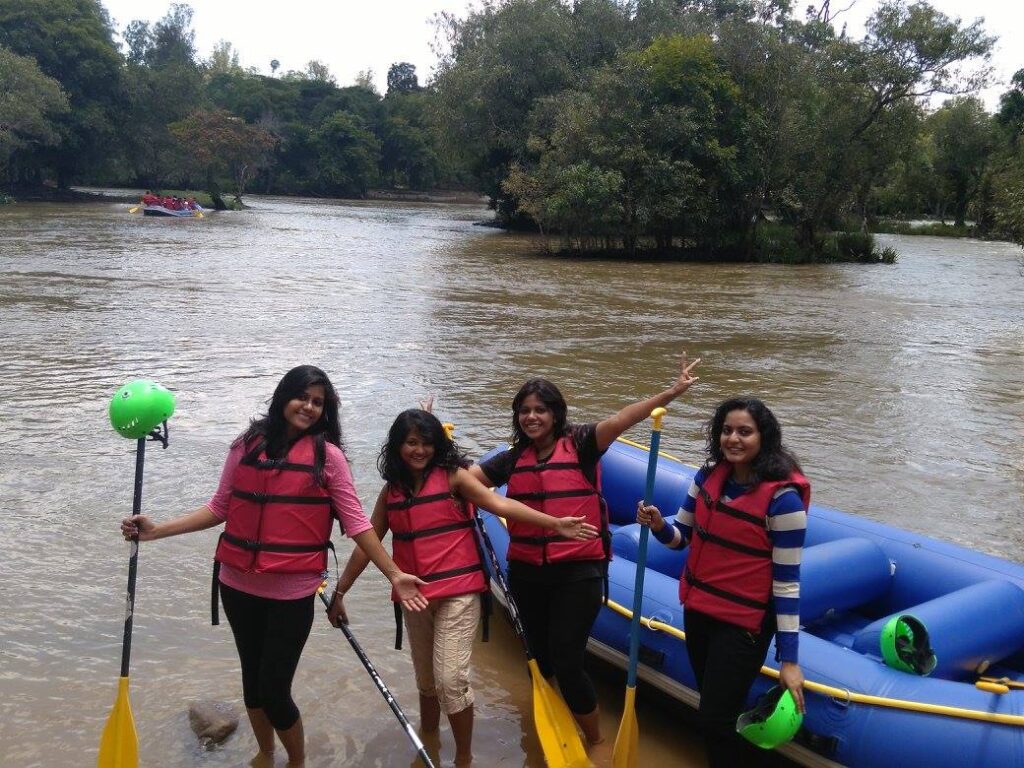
(899, 387)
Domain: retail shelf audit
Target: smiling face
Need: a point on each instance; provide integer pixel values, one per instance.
(536, 420)
(740, 440)
(302, 412)
(416, 452)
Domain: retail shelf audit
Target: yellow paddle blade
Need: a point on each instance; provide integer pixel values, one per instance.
(199, 214)
(119, 745)
(133, 210)
(556, 727)
(628, 737)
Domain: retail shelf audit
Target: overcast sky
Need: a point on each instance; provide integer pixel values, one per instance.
(353, 35)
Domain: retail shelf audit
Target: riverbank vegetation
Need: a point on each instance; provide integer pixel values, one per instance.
(713, 129)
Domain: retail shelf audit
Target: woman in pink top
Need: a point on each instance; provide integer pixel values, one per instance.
(284, 481)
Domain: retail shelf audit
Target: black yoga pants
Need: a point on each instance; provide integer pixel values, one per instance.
(557, 620)
(270, 635)
(726, 660)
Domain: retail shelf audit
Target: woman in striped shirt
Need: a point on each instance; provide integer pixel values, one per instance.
(741, 585)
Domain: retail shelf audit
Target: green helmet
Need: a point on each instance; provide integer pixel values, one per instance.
(905, 645)
(774, 720)
(140, 406)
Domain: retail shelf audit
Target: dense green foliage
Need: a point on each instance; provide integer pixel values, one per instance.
(734, 129)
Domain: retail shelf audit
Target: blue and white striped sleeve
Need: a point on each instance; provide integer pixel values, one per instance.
(787, 526)
(677, 535)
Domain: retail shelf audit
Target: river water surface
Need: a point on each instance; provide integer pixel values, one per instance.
(900, 387)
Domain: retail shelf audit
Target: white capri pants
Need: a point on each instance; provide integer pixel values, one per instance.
(441, 641)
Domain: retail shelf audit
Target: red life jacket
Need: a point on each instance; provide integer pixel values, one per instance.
(728, 573)
(433, 537)
(559, 488)
(279, 519)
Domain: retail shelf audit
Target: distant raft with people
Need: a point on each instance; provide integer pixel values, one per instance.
(912, 648)
(183, 213)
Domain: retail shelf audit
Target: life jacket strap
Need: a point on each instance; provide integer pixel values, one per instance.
(453, 572)
(724, 594)
(263, 546)
(706, 535)
(413, 501)
(542, 467)
(541, 495)
(436, 531)
(215, 595)
(398, 626)
(271, 498)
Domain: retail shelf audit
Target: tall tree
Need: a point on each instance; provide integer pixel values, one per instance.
(346, 156)
(499, 61)
(855, 100)
(224, 59)
(318, 72)
(402, 78)
(72, 42)
(29, 103)
(1011, 108)
(365, 80)
(217, 144)
(964, 139)
(163, 85)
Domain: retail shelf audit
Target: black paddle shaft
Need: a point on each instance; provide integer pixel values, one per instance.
(372, 671)
(510, 604)
(133, 559)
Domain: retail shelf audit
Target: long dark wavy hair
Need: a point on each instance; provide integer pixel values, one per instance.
(447, 453)
(270, 432)
(548, 394)
(774, 461)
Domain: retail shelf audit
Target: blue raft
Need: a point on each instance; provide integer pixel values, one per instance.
(855, 575)
(182, 213)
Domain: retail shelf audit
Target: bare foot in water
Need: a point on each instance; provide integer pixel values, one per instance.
(262, 760)
(431, 743)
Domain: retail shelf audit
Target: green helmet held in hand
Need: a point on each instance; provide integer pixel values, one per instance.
(773, 721)
(140, 406)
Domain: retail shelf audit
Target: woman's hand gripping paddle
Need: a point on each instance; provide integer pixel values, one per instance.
(624, 755)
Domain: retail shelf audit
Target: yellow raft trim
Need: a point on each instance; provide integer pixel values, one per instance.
(843, 694)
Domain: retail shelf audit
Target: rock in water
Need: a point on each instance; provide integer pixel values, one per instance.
(212, 721)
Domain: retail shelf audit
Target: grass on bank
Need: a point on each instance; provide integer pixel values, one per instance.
(934, 228)
(774, 243)
(777, 243)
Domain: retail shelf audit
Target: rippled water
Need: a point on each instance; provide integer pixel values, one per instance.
(901, 388)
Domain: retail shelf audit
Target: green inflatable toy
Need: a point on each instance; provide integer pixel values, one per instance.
(773, 721)
(139, 407)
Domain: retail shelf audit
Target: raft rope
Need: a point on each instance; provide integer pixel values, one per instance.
(842, 694)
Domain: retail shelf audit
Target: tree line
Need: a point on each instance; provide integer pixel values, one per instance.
(732, 129)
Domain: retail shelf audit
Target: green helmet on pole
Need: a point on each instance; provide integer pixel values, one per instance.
(773, 721)
(905, 645)
(140, 406)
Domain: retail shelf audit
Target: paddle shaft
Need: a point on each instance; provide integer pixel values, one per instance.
(513, 612)
(133, 559)
(368, 666)
(641, 557)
